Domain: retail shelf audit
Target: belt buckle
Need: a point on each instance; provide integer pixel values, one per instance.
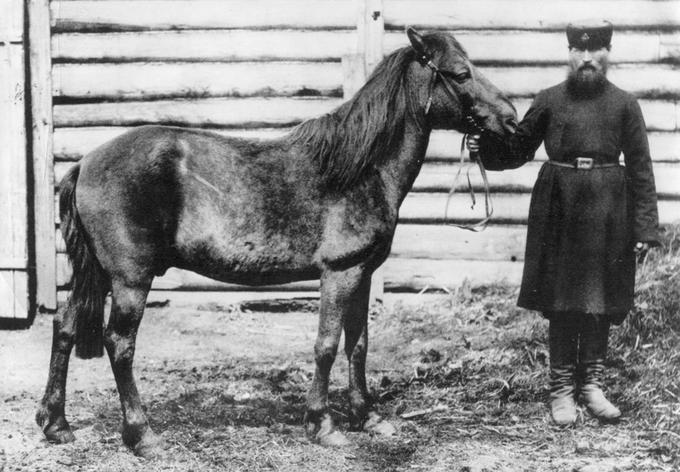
(584, 163)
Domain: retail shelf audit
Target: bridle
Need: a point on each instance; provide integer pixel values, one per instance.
(456, 92)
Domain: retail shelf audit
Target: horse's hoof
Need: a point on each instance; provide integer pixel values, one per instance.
(376, 425)
(325, 433)
(151, 446)
(57, 431)
(334, 439)
(60, 435)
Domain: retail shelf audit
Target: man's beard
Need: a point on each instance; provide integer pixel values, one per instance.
(584, 84)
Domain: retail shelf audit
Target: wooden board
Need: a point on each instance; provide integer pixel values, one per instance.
(404, 275)
(204, 45)
(224, 112)
(439, 177)
(508, 208)
(464, 14)
(531, 14)
(162, 80)
(660, 115)
(512, 47)
(209, 14)
(43, 160)
(11, 21)
(219, 79)
(70, 144)
(549, 47)
(14, 295)
(445, 145)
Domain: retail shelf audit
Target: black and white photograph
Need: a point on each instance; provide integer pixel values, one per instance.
(339, 235)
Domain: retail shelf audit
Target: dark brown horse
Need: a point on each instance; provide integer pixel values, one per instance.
(321, 202)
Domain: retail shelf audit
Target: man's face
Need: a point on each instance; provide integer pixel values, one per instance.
(587, 64)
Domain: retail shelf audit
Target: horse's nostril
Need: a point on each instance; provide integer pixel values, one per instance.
(510, 124)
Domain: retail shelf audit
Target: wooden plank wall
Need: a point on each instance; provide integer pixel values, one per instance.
(14, 281)
(41, 150)
(256, 68)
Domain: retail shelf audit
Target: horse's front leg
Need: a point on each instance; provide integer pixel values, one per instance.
(356, 348)
(362, 412)
(341, 294)
(127, 308)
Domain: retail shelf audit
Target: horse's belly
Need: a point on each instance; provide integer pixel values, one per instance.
(244, 261)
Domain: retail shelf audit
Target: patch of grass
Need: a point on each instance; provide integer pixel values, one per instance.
(646, 348)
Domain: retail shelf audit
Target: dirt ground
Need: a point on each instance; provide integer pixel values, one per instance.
(464, 380)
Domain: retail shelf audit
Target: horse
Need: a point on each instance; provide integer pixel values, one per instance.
(321, 202)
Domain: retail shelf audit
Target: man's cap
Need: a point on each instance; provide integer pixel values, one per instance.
(590, 35)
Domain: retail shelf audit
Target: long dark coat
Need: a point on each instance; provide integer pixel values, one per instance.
(583, 224)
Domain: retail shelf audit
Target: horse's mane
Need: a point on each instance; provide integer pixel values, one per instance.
(361, 131)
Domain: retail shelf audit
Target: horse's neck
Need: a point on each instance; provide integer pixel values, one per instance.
(400, 170)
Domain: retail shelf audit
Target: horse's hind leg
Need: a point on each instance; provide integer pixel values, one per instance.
(119, 338)
(51, 415)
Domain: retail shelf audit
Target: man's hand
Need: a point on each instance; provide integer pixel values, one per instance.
(641, 247)
(473, 143)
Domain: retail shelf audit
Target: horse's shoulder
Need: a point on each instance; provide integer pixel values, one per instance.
(358, 224)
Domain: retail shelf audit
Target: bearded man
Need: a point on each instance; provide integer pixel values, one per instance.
(588, 215)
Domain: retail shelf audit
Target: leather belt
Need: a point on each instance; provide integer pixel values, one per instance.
(583, 163)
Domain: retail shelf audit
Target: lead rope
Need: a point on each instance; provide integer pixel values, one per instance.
(488, 203)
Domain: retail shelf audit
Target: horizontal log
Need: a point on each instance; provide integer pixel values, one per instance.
(462, 14)
(415, 275)
(669, 48)
(535, 47)
(70, 144)
(223, 112)
(529, 14)
(650, 81)
(495, 243)
(189, 80)
(445, 145)
(523, 47)
(439, 177)
(660, 115)
(208, 14)
(429, 208)
(402, 275)
(206, 45)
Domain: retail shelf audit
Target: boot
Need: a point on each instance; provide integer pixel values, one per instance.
(562, 340)
(592, 352)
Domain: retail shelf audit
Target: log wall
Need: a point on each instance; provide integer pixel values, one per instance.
(257, 68)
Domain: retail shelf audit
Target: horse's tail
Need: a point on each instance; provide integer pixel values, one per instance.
(89, 282)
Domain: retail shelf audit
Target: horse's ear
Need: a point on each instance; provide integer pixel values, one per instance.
(423, 52)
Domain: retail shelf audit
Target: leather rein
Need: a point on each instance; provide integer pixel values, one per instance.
(472, 127)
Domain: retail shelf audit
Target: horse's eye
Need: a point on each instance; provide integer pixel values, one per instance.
(462, 77)
(458, 77)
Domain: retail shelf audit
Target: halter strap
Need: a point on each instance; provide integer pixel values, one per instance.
(456, 93)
